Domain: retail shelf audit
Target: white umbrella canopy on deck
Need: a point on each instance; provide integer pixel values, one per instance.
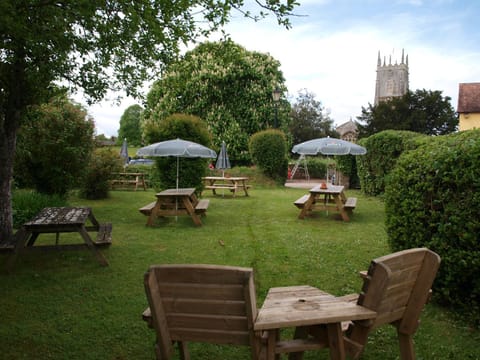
(328, 146)
(177, 148)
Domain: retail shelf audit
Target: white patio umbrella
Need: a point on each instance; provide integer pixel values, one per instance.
(223, 162)
(328, 146)
(177, 148)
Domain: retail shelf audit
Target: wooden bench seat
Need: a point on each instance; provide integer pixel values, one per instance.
(300, 203)
(104, 236)
(147, 209)
(202, 206)
(350, 204)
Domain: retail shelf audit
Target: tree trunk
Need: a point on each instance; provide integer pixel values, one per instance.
(8, 137)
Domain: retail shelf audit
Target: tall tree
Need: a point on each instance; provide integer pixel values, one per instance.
(309, 120)
(227, 86)
(95, 45)
(130, 126)
(423, 111)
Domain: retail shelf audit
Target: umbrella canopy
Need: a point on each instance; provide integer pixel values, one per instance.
(223, 161)
(177, 148)
(328, 146)
(124, 151)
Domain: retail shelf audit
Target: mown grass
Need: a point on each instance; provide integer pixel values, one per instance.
(63, 305)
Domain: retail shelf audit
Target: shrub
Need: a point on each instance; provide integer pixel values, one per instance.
(384, 148)
(268, 149)
(191, 170)
(347, 164)
(317, 167)
(99, 170)
(54, 143)
(27, 203)
(432, 199)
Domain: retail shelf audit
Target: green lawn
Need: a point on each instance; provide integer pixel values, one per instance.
(63, 305)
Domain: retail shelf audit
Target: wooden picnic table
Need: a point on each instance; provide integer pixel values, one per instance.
(327, 198)
(301, 306)
(128, 180)
(58, 220)
(232, 184)
(175, 202)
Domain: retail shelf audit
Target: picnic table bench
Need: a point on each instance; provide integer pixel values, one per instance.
(128, 180)
(232, 184)
(56, 220)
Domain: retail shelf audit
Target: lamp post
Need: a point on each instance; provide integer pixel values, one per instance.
(276, 98)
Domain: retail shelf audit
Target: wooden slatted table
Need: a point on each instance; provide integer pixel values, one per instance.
(58, 220)
(297, 306)
(232, 184)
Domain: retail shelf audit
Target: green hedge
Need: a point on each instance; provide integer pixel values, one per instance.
(383, 150)
(268, 149)
(433, 199)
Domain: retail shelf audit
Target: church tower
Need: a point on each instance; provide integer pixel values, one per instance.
(392, 80)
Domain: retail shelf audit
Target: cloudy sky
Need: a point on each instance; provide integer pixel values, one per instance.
(332, 50)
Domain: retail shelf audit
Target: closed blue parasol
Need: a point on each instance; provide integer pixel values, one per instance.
(223, 161)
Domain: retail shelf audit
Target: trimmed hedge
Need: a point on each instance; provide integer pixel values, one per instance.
(433, 200)
(383, 150)
(268, 149)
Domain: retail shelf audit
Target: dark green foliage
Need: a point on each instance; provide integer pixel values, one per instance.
(54, 145)
(130, 126)
(309, 119)
(422, 111)
(383, 150)
(191, 171)
(347, 164)
(433, 200)
(28, 203)
(317, 167)
(103, 163)
(268, 149)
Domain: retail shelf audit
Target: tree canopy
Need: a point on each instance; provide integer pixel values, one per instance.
(225, 85)
(130, 126)
(94, 45)
(309, 120)
(423, 111)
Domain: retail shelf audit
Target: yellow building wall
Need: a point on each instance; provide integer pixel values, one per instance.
(469, 121)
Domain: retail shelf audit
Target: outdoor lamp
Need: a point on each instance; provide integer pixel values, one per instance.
(276, 98)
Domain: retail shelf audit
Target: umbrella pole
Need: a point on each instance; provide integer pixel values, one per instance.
(176, 198)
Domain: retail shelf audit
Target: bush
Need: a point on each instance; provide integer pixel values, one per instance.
(104, 162)
(384, 148)
(54, 143)
(27, 203)
(317, 167)
(268, 149)
(432, 199)
(191, 170)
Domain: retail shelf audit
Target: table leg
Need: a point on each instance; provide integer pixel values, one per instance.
(101, 259)
(153, 214)
(271, 343)
(339, 203)
(307, 207)
(21, 236)
(191, 211)
(335, 341)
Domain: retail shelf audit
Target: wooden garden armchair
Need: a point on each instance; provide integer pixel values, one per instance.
(201, 303)
(396, 287)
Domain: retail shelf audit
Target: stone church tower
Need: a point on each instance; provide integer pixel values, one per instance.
(392, 80)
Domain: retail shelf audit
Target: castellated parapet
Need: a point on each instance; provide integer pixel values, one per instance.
(392, 79)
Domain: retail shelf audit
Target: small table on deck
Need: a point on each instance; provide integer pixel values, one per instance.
(232, 184)
(298, 306)
(174, 202)
(58, 220)
(333, 199)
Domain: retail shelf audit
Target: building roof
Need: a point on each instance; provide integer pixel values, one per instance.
(349, 126)
(469, 98)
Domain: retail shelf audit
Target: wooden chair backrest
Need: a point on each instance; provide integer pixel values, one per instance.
(397, 286)
(202, 303)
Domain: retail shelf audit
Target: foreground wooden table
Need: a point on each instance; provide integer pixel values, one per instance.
(175, 202)
(233, 184)
(63, 220)
(297, 306)
(330, 198)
